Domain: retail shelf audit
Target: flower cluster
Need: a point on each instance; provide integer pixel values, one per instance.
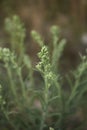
(37, 38)
(44, 65)
(15, 27)
(8, 57)
(55, 30)
(82, 67)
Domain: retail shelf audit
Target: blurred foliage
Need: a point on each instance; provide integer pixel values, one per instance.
(29, 105)
(70, 15)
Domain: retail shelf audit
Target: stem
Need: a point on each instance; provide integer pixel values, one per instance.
(73, 92)
(11, 81)
(45, 109)
(59, 89)
(8, 119)
(43, 119)
(21, 82)
(62, 112)
(77, 82)
(12, 85)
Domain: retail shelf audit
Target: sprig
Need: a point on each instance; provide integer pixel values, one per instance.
(15, 28)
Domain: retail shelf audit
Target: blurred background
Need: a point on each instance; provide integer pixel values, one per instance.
(40, 15)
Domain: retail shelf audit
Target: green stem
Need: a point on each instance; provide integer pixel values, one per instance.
(59, 90)
(12, 86)
(21, 82)
(77, 82)
(62, 112)
(45, 107)
(8, 119)
(73, 92)
(11, 81)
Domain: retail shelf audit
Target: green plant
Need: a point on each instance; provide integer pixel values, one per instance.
(15, 28)
(50, 106)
